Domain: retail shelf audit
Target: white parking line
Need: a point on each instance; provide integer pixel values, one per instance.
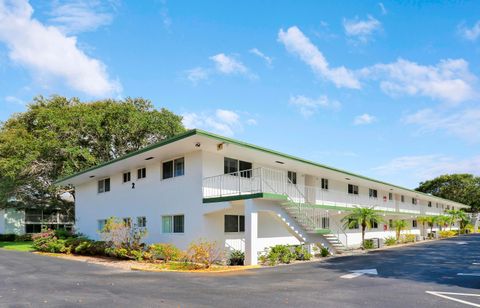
(444, 295)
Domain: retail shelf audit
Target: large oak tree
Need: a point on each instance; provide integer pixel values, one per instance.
(57, 136)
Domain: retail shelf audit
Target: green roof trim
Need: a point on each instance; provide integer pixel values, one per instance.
(242, 144)
(131, 154)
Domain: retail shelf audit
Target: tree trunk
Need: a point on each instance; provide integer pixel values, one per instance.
(363, 236)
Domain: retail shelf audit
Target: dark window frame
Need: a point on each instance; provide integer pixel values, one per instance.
(324, 183)
(292, 177)
(103, 185)
(127, 177)
(173, 168)
(353, 189)
(233, 223)
(141, 173)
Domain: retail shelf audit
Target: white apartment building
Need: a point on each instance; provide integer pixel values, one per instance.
(201, 185)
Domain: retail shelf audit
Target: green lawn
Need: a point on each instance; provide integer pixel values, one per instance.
(19, 246)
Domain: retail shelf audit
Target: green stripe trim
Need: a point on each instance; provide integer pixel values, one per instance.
(245, 145)
(323, 231)
(134, 153)
(244, 197)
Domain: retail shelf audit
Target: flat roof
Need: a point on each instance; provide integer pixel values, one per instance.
(199, 132)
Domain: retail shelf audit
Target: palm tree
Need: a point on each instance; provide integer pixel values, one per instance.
(423, 220)
(431, 222)
(399, 225)
(458, 215)
(443, 221)
(364, 217)
(452, 217)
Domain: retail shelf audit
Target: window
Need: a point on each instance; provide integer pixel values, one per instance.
(372, 193)
(173, 168)
(429, 203)
(414, 223)
(402, 198)
(173, 224)
(325, 222)
(292, 177)
(390, 223)
(101, 224)
(141, 173)
(414, 201)
(126, 177)
(104, 185)
(235, 166)
(141, 222)
(234, 223)
(390, 196)
(352, 224)
(33, 228)
(324, 183)
(353, 189)
(127, 221)
(373, 224)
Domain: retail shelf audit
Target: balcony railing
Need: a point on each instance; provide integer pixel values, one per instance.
(265, 180)
(47, 218)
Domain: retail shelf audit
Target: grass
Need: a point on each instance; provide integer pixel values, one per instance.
(18, 246)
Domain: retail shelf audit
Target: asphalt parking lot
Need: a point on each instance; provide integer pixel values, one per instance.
(443, 273)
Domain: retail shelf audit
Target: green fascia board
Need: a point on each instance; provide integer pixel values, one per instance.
(242, 144)
(244, 197)
(134, 153)
(258, 148)
(323, 231)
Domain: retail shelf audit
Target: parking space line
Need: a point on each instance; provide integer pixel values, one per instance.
(445, 295)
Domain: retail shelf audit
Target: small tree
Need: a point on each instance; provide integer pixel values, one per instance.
(118, 233)
(443, 221)
(432, 220)
(399, 226)
(204, 252)
(363, 217)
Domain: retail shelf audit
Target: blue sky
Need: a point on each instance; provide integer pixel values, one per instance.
(385, 89)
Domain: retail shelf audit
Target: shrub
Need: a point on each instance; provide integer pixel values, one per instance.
(409, 238)
(324, 252)
(368, 244)
(63, 234)
(7, 237)
(23, 238)
(446, 233)
(237, 257)
(88, 247)
(121, 253)
(279, 253)
(43, 241)
(119, 234)
(301, 253)
(165, 252)
(204, 252)
(390, 240)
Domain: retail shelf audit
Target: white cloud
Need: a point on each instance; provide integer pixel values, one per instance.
(309, 106)
(228, 65)
(464, 124)
(222, 121)
(424, 167)
(79, 16)
(470, 34)
(47, 52)
(364, 119)
(195, 75)
(260, 54)
(297, 43)
(382, 8)
(14, 100)
(450, 80)
(361, 29)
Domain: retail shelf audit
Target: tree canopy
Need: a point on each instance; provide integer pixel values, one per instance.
(463, 188)
(57, 136)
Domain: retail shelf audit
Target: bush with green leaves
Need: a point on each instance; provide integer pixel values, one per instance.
(237, 257)
(302, 254)
(48, 242)
(368, 244)
(390, 241)
(7, 237)
(408, 238)
(447, 233)
(324, 252)
(165, 252)
(279, 254)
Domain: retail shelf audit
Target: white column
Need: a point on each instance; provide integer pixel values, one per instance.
(251, 233)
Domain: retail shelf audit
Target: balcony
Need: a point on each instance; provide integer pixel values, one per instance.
(271, 183)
